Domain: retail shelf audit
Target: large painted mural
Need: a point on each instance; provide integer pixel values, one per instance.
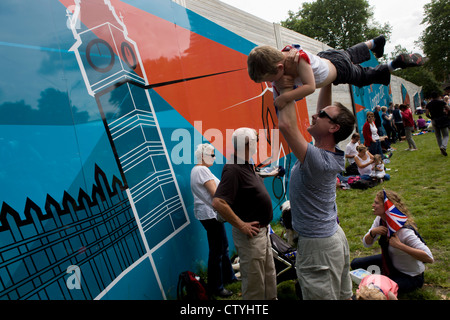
(102, 103)
(366, 98)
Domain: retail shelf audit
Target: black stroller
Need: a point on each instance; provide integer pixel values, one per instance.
(284, 258)
(284, 255)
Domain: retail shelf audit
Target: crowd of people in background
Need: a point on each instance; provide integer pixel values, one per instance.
(384, 128)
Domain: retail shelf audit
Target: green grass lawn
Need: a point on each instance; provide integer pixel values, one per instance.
(422, 178)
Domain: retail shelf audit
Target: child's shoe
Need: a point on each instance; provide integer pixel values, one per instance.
(378, 49)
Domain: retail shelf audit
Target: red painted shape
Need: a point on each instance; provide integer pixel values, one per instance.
(170, 52)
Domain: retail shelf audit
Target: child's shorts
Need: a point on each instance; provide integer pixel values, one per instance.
(350, 72)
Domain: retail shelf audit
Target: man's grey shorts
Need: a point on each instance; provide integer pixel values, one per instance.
(323, 267)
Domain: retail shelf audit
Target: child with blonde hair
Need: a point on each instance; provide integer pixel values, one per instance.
(377, 287)
(378, 170)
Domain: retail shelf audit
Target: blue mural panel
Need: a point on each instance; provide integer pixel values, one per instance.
(367, 98)
(92, 203)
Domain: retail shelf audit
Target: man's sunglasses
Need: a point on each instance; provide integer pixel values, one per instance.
(323, 114)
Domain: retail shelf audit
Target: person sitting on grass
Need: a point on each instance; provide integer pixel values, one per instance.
(421, 123)
(378, 169)
(364, 161)
(403, 253)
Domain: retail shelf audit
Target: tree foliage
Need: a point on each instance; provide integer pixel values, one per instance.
(436, 38)
(338, 23)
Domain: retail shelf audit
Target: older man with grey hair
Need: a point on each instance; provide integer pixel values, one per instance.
(242, 199)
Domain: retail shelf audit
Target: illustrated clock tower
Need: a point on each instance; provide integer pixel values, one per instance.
(114, 75)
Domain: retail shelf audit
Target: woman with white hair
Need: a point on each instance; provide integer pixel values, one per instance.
(203, 187)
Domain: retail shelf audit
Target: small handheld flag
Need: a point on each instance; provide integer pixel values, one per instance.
(394, 217)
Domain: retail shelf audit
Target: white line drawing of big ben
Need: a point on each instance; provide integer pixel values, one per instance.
(114, 75)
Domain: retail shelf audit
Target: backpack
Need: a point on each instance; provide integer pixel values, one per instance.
(360, 184)
(353, 179)
(191, 287)
(355, 182)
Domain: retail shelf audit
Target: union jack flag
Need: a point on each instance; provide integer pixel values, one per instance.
(394, 217)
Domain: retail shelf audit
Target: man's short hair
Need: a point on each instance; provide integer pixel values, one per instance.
(346, 121)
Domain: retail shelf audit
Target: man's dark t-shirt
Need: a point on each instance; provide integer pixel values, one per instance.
(437, 114)
(245, 193)
(436, 108)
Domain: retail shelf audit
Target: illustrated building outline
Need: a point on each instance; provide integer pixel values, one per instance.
(130, 121)
(97, 232)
